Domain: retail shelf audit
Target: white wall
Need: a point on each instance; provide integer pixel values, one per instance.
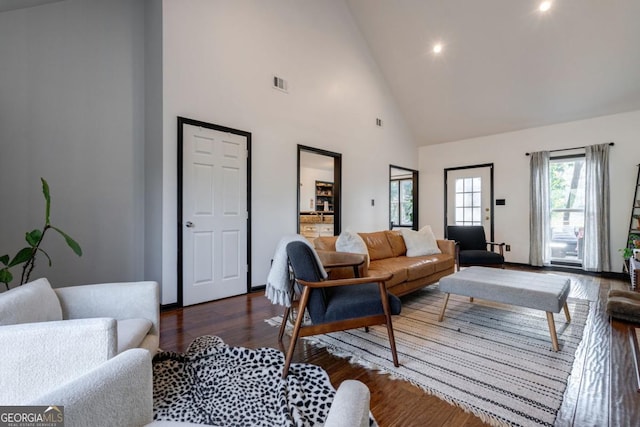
(71, 101)
(511, 174)
(219, 60)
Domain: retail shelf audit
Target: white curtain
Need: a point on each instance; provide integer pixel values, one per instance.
(539, 213)
(596, 222)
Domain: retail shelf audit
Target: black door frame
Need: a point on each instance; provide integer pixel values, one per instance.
(182, 121)
(337, 186)
(415, 195)
(446, 195)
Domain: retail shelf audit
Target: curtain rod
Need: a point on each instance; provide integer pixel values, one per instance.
(568, 149)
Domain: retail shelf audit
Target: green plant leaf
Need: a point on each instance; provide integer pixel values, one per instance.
(47, 255)
(4, 259)
(72, 243)
(24, 255)
(6, 276)
(33, 237)
(47, 198)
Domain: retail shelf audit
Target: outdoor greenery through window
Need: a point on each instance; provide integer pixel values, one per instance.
(401, 202)
(567, 193)
(469, 201)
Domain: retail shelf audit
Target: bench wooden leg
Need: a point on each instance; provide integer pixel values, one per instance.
(552, 331)
(444, 307)
(566, 312)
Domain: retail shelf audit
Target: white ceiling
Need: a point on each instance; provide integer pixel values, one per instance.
(505, 66)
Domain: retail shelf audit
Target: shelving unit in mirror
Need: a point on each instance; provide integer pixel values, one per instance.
(324, 196)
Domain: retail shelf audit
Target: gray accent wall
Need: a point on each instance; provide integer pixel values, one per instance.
(72, 111)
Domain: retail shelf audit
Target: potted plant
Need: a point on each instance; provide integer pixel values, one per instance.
(27, 255)
(627, 252)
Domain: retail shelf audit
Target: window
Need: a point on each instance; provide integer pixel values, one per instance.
(468, 201)
(566, 205)
(401, 202)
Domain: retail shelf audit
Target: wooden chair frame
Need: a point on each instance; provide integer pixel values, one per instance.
(300, 330)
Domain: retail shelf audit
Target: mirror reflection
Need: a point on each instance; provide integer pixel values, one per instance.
(403, 203)
(318, 193)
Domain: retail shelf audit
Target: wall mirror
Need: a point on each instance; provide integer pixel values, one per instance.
(319, 192)
(403, 198)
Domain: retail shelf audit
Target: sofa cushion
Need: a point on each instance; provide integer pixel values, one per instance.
(420, 267)
(386, 266)
(378, 245)
(30, 303)
(352, 242)
(421, 242)
(325, 243)
(131, 332)
(396, 241)
(442, 262)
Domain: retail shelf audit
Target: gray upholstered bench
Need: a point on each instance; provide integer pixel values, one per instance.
(547, 292)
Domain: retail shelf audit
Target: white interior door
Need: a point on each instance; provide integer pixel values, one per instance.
(469, 197)
(214, 212)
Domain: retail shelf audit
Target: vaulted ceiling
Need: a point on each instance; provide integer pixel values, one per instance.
(504, 65)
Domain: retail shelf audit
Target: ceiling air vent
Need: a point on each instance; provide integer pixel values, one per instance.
(280, 84)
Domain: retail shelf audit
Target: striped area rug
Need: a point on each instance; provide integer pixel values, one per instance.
(492, 360)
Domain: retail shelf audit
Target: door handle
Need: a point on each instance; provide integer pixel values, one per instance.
(189, 224)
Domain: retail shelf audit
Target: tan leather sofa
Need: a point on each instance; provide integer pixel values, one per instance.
(387, 254)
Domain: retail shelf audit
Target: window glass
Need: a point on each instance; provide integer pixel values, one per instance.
(468, 201)
(566, 214)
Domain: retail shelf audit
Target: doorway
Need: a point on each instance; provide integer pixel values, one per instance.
(319, 192)
(468, 197)
(213, 211)
(403, 198)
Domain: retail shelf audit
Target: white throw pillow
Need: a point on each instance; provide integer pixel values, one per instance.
(349, 241)
(420, 243)
(32, 302)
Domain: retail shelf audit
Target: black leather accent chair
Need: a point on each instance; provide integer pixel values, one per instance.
(335, 305)
(472, 247)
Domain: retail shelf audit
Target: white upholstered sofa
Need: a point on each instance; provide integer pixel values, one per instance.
(51, 336)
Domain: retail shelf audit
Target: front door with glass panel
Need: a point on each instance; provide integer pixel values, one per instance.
(468, 197)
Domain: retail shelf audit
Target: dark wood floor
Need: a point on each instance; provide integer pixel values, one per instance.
(602, 389)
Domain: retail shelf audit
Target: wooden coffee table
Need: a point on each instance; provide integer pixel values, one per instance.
(546, 292)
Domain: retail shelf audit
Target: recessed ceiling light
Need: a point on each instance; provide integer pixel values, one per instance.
(437, 48)
(544, 6)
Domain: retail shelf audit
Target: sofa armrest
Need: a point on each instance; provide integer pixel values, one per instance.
(118, 392)
(127, 300)
(447, 247)
(39, 356)
(350, 407)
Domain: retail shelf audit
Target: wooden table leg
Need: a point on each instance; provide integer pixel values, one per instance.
(566, 312)
(444, 307)
(552, 331)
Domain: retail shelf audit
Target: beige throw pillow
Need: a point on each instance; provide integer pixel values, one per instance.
(349, 241)
(420, 243)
